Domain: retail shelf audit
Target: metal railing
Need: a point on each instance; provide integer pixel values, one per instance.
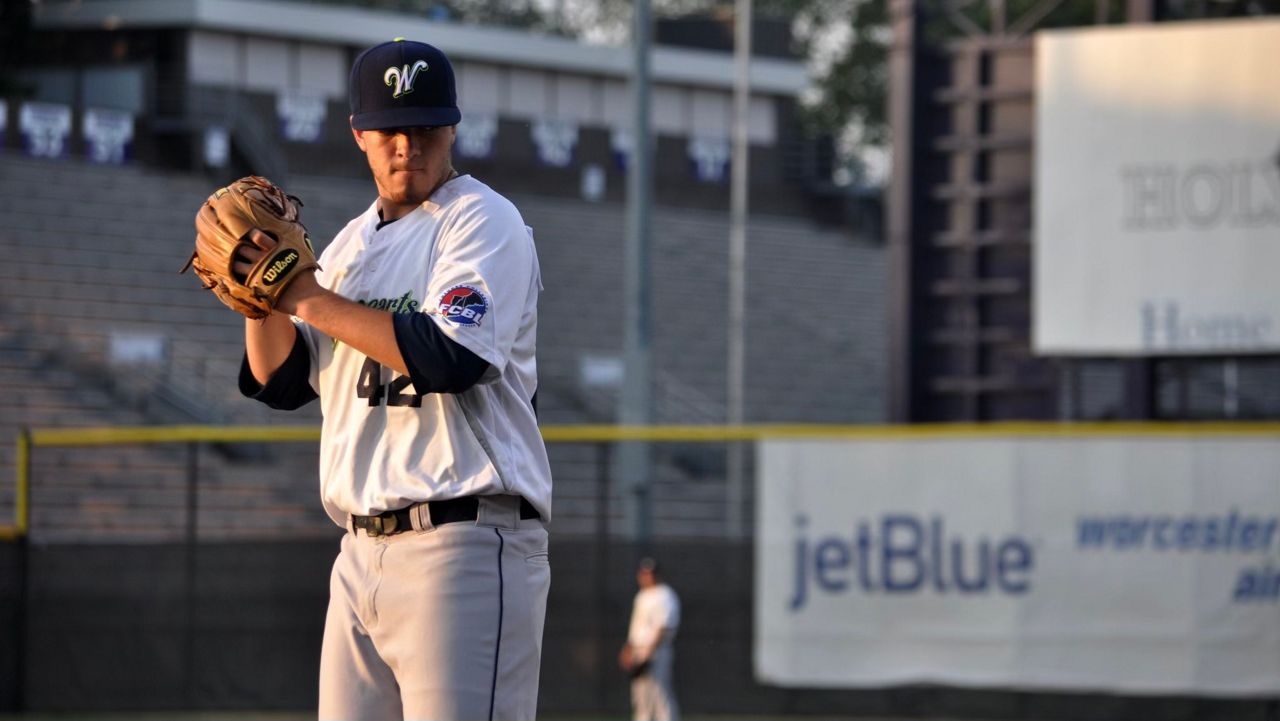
(193, 435)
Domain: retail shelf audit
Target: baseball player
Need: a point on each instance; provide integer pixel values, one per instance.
(417, 334)
(649, 653)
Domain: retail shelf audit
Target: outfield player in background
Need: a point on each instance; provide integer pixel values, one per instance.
(649, 653)
(418, 337)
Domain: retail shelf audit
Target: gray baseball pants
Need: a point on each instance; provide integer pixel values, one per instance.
(441, 623)
(653, 696)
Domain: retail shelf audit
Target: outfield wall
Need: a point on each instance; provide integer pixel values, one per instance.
(107, 631)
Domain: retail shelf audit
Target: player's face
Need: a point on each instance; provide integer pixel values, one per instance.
(407, 164)
(645, 578)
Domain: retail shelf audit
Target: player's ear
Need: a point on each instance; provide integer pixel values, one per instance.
(357, 134)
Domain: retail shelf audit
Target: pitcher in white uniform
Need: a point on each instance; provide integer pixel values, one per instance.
(418, 337)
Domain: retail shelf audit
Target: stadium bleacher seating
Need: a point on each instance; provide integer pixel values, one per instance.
(93, 253)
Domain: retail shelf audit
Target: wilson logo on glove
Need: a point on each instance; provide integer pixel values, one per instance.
(280, 266)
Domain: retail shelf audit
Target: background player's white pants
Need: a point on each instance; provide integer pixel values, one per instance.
(653, 696)
(436, 624)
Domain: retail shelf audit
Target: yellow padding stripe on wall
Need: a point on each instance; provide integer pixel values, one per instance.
(676, 434)
(111, 436)
(68, 437)
(687, 434)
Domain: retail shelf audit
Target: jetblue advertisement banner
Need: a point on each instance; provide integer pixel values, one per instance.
(1140, 564)
(1157, 189)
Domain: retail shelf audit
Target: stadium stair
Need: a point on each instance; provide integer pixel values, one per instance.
(130, 493)
(94, 252)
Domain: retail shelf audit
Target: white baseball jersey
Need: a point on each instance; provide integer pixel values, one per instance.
(466, 259)
(655, 608)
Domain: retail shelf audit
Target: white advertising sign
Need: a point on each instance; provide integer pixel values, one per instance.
(108, 135)
(555, 141)
(1157, 190)
(217, 146)
(476, 134)
(710, 158)
(1142, 564)
(45, 128)
(301, 114)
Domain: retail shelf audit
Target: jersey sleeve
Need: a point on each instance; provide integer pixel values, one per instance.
(435, 363)
(669, 610)
(288, 388)
(479, 285)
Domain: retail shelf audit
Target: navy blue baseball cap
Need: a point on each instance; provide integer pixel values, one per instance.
(403, 84)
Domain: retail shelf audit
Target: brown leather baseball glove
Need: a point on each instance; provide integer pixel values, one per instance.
(222, 226)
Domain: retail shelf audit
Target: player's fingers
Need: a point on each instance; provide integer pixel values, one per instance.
(245, 258)
(261, 239)
(241, 269)
(249, 253)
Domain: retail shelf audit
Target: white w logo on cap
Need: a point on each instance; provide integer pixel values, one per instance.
(403, 78)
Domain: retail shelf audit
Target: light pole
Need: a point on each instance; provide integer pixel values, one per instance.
(637, 391)
(735, 491)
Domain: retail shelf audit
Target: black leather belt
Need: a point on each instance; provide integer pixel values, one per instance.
(453, 510)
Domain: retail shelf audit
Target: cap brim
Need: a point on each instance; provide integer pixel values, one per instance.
(406, 118)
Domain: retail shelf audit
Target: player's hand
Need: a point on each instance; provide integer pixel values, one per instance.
(259, 245)
(304, 286)
(624, 658)
(248, 254)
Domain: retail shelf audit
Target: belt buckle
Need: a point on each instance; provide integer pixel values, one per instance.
(379, 525)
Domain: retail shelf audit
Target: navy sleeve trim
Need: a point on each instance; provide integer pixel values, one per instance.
(289, 388)
(436, 363)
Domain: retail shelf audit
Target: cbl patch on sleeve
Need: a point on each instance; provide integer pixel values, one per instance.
(463, 305)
